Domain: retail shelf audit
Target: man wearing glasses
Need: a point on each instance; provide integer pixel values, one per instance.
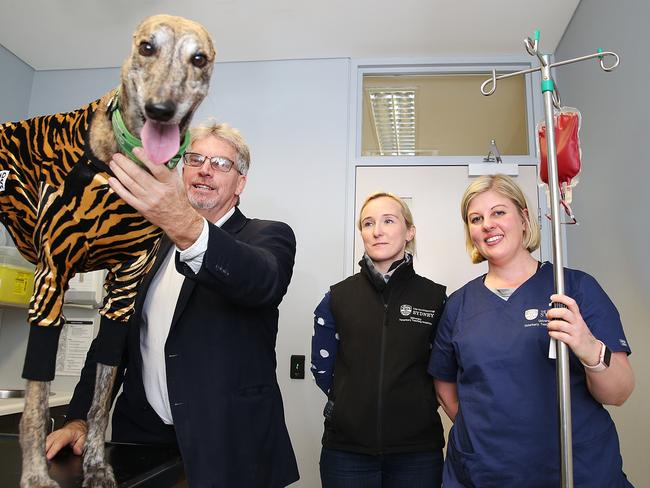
(199, 371)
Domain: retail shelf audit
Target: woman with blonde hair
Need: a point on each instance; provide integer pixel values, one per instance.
(490, 359)
(371, 343)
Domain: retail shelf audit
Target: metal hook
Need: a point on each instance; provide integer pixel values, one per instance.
(492, 80)
(602, 60)
(531, 46)
(600, 55)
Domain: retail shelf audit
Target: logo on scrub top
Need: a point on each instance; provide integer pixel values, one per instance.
(405, 310)
(531, 314)
(535, 318)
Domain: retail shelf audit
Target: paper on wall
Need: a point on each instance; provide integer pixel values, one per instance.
(74, 342)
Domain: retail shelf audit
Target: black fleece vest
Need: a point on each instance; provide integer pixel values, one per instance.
(384, 400)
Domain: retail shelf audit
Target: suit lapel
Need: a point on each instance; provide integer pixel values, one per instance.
(233, 225)
(183, 297)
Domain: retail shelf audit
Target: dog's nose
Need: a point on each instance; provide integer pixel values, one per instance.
(161, 112)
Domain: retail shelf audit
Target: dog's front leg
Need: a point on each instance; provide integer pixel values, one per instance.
(97, 473)
(32, 436)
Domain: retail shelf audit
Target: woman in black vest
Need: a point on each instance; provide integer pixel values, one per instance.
(371, 344)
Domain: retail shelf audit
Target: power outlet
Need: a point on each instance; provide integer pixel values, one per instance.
(297, 371)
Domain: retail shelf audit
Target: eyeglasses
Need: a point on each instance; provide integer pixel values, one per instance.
(218, 163)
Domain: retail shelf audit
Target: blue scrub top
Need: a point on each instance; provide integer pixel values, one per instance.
(506, 432)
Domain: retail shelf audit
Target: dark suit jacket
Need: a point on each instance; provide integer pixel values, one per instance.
(220, 361)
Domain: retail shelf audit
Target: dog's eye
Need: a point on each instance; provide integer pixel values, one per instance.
(199, 60)
(146, 49)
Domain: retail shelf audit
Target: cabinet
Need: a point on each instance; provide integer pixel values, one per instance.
(9, 423)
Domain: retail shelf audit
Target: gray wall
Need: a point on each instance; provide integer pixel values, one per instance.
(65, 90)
(15, 86)
(294, 115)
(612, 198)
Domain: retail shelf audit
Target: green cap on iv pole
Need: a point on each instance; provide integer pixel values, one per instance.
(536, 35)
(547, 85)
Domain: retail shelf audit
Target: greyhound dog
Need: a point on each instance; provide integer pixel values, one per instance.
(58, 208)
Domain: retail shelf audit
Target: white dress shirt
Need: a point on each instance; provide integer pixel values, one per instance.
(157, 313)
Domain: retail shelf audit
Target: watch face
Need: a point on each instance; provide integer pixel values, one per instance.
(607, 356)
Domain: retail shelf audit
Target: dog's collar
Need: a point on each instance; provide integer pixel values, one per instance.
(127, 141)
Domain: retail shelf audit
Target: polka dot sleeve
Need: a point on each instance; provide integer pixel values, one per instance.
(324, 344)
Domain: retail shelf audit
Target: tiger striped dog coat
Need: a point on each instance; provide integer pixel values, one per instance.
(63, 217)
(59, 210)
(54, 197)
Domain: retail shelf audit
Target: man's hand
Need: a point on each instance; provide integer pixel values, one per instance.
(72, 434)
(159, 196)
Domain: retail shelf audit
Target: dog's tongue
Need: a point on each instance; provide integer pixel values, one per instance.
(160, 141)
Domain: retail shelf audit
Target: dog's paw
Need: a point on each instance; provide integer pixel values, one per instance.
(37, 481)
(99, 476)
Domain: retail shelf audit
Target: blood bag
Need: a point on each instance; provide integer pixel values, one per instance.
(567, 142)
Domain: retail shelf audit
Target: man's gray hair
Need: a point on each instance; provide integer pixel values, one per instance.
(229, 134)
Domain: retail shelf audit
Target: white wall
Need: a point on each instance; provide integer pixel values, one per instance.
(612, 198)
(294, 115)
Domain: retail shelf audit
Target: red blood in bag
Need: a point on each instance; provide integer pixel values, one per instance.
(567, 145)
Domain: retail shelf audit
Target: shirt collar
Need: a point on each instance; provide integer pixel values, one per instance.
(393, 267)
(225, 217)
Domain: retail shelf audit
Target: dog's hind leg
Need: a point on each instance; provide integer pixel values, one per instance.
(32, 436)
(97, 473)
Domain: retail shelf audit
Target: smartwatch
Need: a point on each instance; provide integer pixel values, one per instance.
(603, 359)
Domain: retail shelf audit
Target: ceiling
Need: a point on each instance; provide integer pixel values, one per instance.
(71, 34)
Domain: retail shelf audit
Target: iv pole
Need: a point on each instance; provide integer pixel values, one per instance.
(552, 99)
